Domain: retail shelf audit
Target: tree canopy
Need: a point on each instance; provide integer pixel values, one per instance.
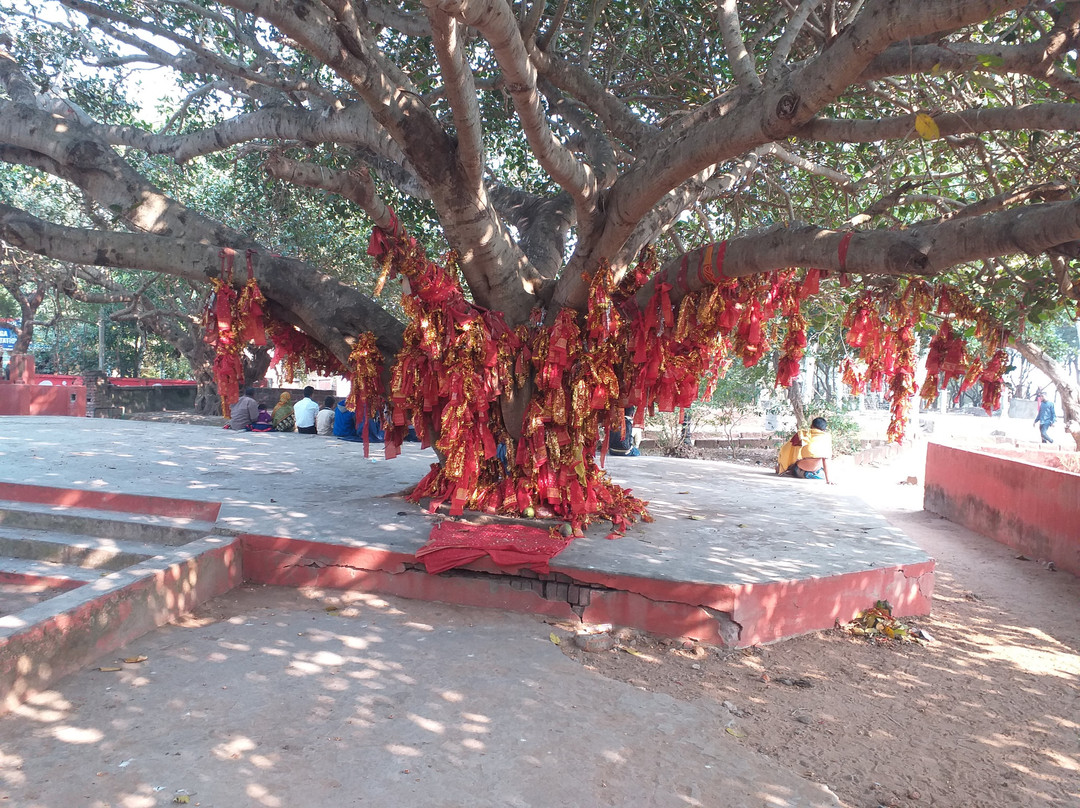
(898, 147)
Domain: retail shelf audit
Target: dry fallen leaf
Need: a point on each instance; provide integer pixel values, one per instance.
(109, 669)
(555, 638)
(133, 659)
(182, 799)
(735, 731)
(632, 651)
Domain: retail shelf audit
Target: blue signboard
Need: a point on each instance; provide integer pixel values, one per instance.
(7, 338)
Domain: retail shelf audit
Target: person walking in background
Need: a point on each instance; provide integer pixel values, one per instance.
(1045, 417)
(324, 420)
(305, 410)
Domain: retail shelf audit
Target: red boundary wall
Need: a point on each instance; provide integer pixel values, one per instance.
(33, 399)
(1029, 507)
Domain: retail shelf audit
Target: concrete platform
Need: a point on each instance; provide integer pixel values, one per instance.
(736, 556)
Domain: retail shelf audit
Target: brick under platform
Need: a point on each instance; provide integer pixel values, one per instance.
(735, 556)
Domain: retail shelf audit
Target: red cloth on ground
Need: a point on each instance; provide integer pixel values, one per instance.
(454, 544)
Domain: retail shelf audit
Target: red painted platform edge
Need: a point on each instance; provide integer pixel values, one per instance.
(265, 557)
(35, 657)
(758, 613)
(29, 578)
(108, 501)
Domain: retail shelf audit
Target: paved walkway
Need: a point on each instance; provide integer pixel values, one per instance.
(267, 698)
(749, 527)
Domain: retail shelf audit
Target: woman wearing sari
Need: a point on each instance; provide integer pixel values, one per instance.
(807, 454)
(282, 417)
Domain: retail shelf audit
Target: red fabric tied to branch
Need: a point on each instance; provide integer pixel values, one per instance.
(811, 284)
(861, 328)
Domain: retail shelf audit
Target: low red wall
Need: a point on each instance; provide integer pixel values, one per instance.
(35, 399)
(1031, 508)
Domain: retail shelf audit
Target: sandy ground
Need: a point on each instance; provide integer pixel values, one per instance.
(985, 715)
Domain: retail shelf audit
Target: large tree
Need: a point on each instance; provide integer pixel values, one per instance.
(547, 144)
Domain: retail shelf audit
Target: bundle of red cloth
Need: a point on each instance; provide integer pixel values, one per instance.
(454, 544)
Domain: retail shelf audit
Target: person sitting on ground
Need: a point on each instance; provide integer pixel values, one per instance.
(1045, 417)
(624, 444)
(244, 412)
(324, 420)
(306, 409)
(345, 425)
(283, 418)
(374, 427)
(344, 421)
(263, 422)
(807, 454)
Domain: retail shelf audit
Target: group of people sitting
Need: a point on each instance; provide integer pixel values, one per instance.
(305, 416)
(805, 456)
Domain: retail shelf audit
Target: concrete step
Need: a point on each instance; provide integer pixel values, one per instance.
(169, 531)
(89, 552)
(63, 576)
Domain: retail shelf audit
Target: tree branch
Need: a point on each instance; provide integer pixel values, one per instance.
(351, 125)
(925, 249)
(355, 185)
(1062, 117)
(497, 25)
(742, 65)
(460, 92)
(332, 319)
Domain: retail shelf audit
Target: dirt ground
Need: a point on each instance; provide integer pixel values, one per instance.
(984, 714)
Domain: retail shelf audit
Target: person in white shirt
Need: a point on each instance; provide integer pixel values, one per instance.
(305, 410)
(324, 421)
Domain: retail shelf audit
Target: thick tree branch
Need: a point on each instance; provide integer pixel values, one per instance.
(775, 112)
(1061, 117)
(460, 92)
(926, 249)
(787, 40)
(351, 125)
(329, 311)
(496, 23)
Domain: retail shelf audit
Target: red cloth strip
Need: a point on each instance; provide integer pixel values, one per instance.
(712, 263)
(841, 251)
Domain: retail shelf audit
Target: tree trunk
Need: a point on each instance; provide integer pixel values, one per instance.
(795, 395)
